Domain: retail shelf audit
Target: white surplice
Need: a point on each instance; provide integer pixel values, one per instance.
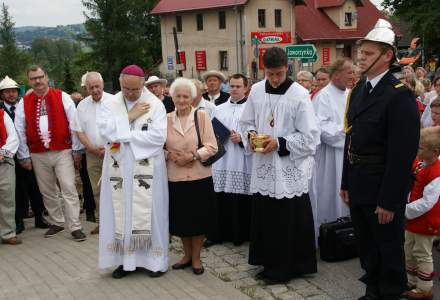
(294, 118)
(136, 145)
(232, 173)
(325, 185)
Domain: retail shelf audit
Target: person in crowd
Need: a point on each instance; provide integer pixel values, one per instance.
(435, 112)
(322, 78)
(200, 102)
(213, 80)
(305, 78)
(133, 220)
(191, 191)
(48, 146)
(8, 147)
(427, 85)
(76, 97)
(279, 125)
(408, 72)
(329, 107)
(85, 126)
(426, 117)
(423, 216)
(376, 172)
(84, 92)
(420, 73)
(417, 88)
(26, 188)
(157, 86)
(232, 173)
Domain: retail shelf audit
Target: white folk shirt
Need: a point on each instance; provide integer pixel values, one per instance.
(294, 119)
(86, 117)
(10, 147)
(114, 127)
(20, 126)
(325, 185)
(232, 172)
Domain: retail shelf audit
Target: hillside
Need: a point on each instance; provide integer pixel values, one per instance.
(26, 34)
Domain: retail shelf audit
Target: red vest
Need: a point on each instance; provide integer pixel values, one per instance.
(429, 222)
(60, 138)
(3, 132)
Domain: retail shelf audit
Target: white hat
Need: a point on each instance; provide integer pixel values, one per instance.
(155, 79)
(83, 79)
(381, 33)
(215, 73)
(8, 83)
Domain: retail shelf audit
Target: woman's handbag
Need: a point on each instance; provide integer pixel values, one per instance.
(221, 149)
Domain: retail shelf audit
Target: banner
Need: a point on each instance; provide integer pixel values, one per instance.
(272, 37)
(201, 60)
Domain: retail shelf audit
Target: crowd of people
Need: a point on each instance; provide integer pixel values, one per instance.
(267, 163)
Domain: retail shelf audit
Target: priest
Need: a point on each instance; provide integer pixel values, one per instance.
(279, 115)
(329, 107)
(134, 193)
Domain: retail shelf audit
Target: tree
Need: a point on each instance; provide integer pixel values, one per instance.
(12, 60)
(68, 83)
(121, 33)
(422, 15)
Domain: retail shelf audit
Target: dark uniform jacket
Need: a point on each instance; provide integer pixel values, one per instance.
(383, 129)
(220, 100)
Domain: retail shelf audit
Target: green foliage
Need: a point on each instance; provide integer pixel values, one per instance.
(422, 15)
(121, 33)
(68, 83)
(12, 59)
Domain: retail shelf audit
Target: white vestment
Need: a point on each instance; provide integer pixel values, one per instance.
(135, 145)
(325, 185)
(294, 120)
(232, 172)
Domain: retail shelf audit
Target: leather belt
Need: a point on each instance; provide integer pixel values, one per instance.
(356, 159)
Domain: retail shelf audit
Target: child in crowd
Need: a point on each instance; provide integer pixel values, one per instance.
(435, 112)
(423, 214)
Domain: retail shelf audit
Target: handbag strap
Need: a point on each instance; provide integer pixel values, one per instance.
(196, 124)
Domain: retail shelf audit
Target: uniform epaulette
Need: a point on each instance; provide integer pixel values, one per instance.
(398, 85)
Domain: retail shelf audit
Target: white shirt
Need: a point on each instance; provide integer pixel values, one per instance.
(426, 116)
(11, 145)
(20, 126)
(207, 106)
(86, 116)
(431, 193)
(213, 98)
(376, 79)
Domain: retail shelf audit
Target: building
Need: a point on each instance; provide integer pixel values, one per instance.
(232, 35)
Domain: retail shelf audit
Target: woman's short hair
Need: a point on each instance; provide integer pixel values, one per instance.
(430, 137)
(183, 83)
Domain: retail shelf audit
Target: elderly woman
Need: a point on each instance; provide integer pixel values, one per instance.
(190, 183)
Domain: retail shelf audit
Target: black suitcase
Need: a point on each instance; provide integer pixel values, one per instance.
(337, 240)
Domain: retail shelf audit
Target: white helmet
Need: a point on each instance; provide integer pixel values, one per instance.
(8, 83)
(381, 33)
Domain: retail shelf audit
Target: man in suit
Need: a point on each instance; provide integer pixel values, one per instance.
(382, 133)
(213, 80)
(26, 184)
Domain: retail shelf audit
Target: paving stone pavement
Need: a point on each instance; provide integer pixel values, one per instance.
(59, 268)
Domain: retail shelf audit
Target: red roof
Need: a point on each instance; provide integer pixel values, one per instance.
(169, 6)
(332, 3)
(312, 23)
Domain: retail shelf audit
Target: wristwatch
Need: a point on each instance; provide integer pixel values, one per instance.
(194, 157)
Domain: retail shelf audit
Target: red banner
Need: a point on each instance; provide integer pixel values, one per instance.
(201, 60)
(182, 59)
(272, 37)
(262, 51)
(325, 56)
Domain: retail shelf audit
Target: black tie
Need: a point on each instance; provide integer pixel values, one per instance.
(368, 87)
(12, 112)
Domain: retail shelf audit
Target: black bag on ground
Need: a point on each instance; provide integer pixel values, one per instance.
(337, 240)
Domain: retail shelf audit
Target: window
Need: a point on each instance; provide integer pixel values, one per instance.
(223, 60)
(278, 22)
(261, 18)
(179, 23)
(348, 19)
(199, 22)
(221, 20)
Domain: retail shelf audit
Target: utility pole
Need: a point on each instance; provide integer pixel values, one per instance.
(176, 46)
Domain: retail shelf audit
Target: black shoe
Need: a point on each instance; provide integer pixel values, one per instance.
(198, 271)
(120, 272)
(181, 266)
(209, 243)
(40, 222)
(90, 217)
(260, 275)
(53, 230)
(19, 226)
(78, 235)
(269, 281)
(155, 274)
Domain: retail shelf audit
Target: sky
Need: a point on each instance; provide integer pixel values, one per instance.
(51, 12)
